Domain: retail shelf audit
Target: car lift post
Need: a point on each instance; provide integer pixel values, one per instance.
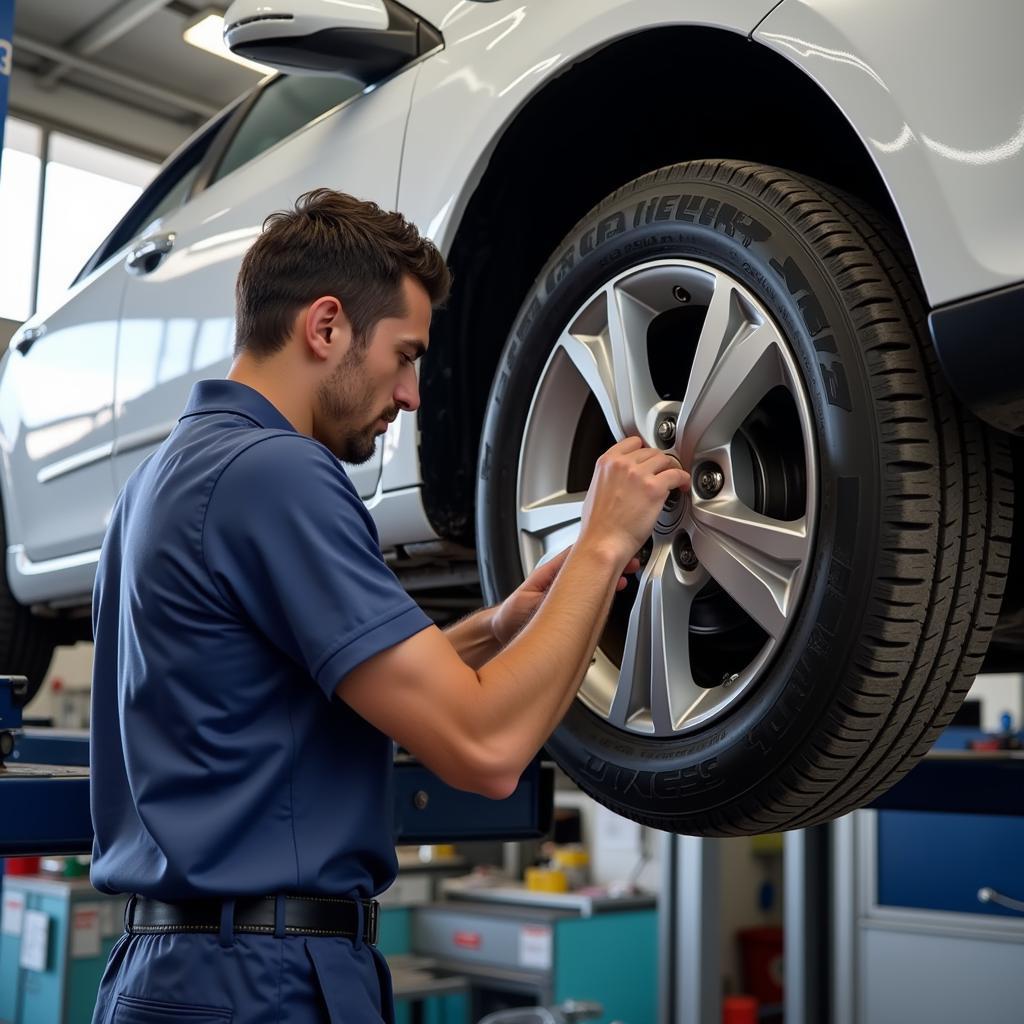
(689, 915)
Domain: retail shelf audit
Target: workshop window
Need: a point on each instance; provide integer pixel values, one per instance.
(19, 206)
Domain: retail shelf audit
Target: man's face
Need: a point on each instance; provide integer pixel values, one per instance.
(372, 384)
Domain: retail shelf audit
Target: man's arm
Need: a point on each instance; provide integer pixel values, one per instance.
(473, 638)
(479, 728)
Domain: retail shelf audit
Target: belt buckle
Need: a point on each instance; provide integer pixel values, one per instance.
(372, 921)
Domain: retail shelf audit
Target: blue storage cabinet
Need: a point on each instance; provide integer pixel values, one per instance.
(395, 939)
(526, 954)
(931, 861)
(65, 992)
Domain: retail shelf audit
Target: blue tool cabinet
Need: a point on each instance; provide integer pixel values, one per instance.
(82, 927)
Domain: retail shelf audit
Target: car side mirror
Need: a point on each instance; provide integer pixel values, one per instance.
(365, 41)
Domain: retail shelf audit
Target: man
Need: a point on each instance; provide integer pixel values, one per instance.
(255, 657)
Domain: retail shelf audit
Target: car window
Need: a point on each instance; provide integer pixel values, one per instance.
(175, 196)
(168, 191)
(285, 105)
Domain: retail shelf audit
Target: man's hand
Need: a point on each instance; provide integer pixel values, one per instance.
(519, 607)
(627, 492)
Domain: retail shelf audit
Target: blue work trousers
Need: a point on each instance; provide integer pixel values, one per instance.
(198, 978)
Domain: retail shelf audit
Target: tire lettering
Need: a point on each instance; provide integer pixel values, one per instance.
(833, 375)
(558, 272)
(665, 208)
(837, 390)
(710, 211)
(786, 711)
(667, 785)
(528, 317)
(687, 208)
(607, 228)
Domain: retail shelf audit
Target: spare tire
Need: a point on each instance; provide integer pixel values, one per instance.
(811, 616)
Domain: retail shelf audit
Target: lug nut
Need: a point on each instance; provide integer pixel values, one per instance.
(683, 551)
(666, 429)
(644, 554)
(709, 480)
(680, 294)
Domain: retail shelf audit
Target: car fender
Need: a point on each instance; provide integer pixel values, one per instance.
(496, 57)
(934, 93)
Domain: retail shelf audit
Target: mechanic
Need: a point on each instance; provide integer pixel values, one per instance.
(255, 657)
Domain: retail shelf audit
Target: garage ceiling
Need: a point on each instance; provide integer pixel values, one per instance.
(119, 71)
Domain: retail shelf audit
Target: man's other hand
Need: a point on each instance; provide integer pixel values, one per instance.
(519, 607)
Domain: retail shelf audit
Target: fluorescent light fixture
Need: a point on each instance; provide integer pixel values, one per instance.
(206, 31)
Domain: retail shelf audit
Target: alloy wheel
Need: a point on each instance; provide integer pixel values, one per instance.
(685, 356)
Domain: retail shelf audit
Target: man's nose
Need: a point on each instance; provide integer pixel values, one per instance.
(407, 395)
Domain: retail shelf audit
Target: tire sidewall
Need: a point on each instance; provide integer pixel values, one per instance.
(731, 230)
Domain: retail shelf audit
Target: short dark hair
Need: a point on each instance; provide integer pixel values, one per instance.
(331, 244)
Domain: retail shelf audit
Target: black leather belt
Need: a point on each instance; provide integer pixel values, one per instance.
(301, 915)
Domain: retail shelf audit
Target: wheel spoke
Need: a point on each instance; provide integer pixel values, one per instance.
(655, 675)
(551, 513)
(673, 693)
(784, 541)
(736, 364)
(589, 355)
(753, 558)
(636, 399)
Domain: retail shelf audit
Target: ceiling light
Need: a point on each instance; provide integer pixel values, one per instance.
(206, 31)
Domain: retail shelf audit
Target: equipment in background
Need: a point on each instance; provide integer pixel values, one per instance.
(13, 697)
(521, 949)
(55, 936)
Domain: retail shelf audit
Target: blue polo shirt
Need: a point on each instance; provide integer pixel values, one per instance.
(240, 579)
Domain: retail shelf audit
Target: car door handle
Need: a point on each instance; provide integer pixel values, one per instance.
(29, 338)
(147, 256)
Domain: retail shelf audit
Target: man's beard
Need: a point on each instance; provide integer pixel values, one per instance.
(347, 396)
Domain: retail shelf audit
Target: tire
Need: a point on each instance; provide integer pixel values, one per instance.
(885, 509)
(27, 642)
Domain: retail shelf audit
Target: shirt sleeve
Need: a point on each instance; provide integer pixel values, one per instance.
(290, 545)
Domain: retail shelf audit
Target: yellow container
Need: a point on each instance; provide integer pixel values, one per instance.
(546, 880)
(575, 862)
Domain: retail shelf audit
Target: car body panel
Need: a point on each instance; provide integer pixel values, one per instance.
(936, 94)
(56, 422)
(496, 56)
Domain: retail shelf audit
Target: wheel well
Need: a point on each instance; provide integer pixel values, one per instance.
(656, 98)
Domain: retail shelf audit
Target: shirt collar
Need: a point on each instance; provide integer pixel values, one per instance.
(231, 396)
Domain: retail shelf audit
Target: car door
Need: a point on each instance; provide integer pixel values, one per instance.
(178, 314)
(56, 422)
(57, 406)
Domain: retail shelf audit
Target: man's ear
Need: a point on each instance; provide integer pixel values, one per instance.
(326, 328)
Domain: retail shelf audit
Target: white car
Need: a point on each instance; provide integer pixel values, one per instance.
(783, 240)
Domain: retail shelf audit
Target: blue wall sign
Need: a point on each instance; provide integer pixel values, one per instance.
(6, 58)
